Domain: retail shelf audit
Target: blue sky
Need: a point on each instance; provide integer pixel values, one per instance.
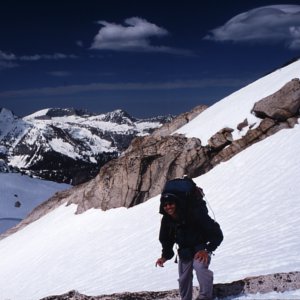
(149, 58)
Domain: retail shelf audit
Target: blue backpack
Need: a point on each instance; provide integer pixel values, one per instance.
(189, 196)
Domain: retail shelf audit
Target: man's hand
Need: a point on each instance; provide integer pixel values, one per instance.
(160, 262)
(202, 256)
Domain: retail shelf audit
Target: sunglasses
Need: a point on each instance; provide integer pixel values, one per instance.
(170, 203)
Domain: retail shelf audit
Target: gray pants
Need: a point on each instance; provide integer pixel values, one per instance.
(204, 276)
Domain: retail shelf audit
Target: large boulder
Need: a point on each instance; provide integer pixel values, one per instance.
(221, 139)
(281, 105)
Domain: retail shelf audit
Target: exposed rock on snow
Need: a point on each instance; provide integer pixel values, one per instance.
(278, 111)
(281, 105)
(266, 128)
(279, 282)
(221, 139)
(242, 124)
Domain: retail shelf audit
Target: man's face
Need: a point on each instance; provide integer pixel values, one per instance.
(170, 208)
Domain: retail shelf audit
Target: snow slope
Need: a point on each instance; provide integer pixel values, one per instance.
(255, 197)
(30, 192)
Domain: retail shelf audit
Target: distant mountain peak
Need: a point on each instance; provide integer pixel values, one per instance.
(50, 113)
(119, 116)
(65, 112)
(7, 113)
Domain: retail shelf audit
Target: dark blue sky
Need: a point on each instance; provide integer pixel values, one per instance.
(147, 57)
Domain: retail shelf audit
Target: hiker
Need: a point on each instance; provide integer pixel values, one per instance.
(197, 236)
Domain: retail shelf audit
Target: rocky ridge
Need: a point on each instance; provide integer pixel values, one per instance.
(68, 145)
(141, 171)
(279, 282)
(179, 121)
(277, 111)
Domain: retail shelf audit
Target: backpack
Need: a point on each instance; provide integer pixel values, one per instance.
(188, 194)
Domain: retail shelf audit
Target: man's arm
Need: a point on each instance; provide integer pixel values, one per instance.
(167, 239)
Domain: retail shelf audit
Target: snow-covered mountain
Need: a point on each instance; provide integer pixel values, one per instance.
(254, 196)
(68, 145)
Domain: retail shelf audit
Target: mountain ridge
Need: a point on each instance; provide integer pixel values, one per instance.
(68, 145)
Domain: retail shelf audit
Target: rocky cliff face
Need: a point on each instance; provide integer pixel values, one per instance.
(141, 171)
(68, 145)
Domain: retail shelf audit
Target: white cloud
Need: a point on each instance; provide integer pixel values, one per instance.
(133, 36)
(9, 60)
(7, 56)
(12, 57)
(55, 56)
(6, 60)
(275, 23)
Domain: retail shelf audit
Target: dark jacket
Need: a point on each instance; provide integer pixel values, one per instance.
(196, 232)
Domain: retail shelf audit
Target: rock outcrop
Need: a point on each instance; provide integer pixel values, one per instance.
(142, 170)
(266, 127)
(279, 282)
(282, 105)
(278, 111)
(221, 139)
